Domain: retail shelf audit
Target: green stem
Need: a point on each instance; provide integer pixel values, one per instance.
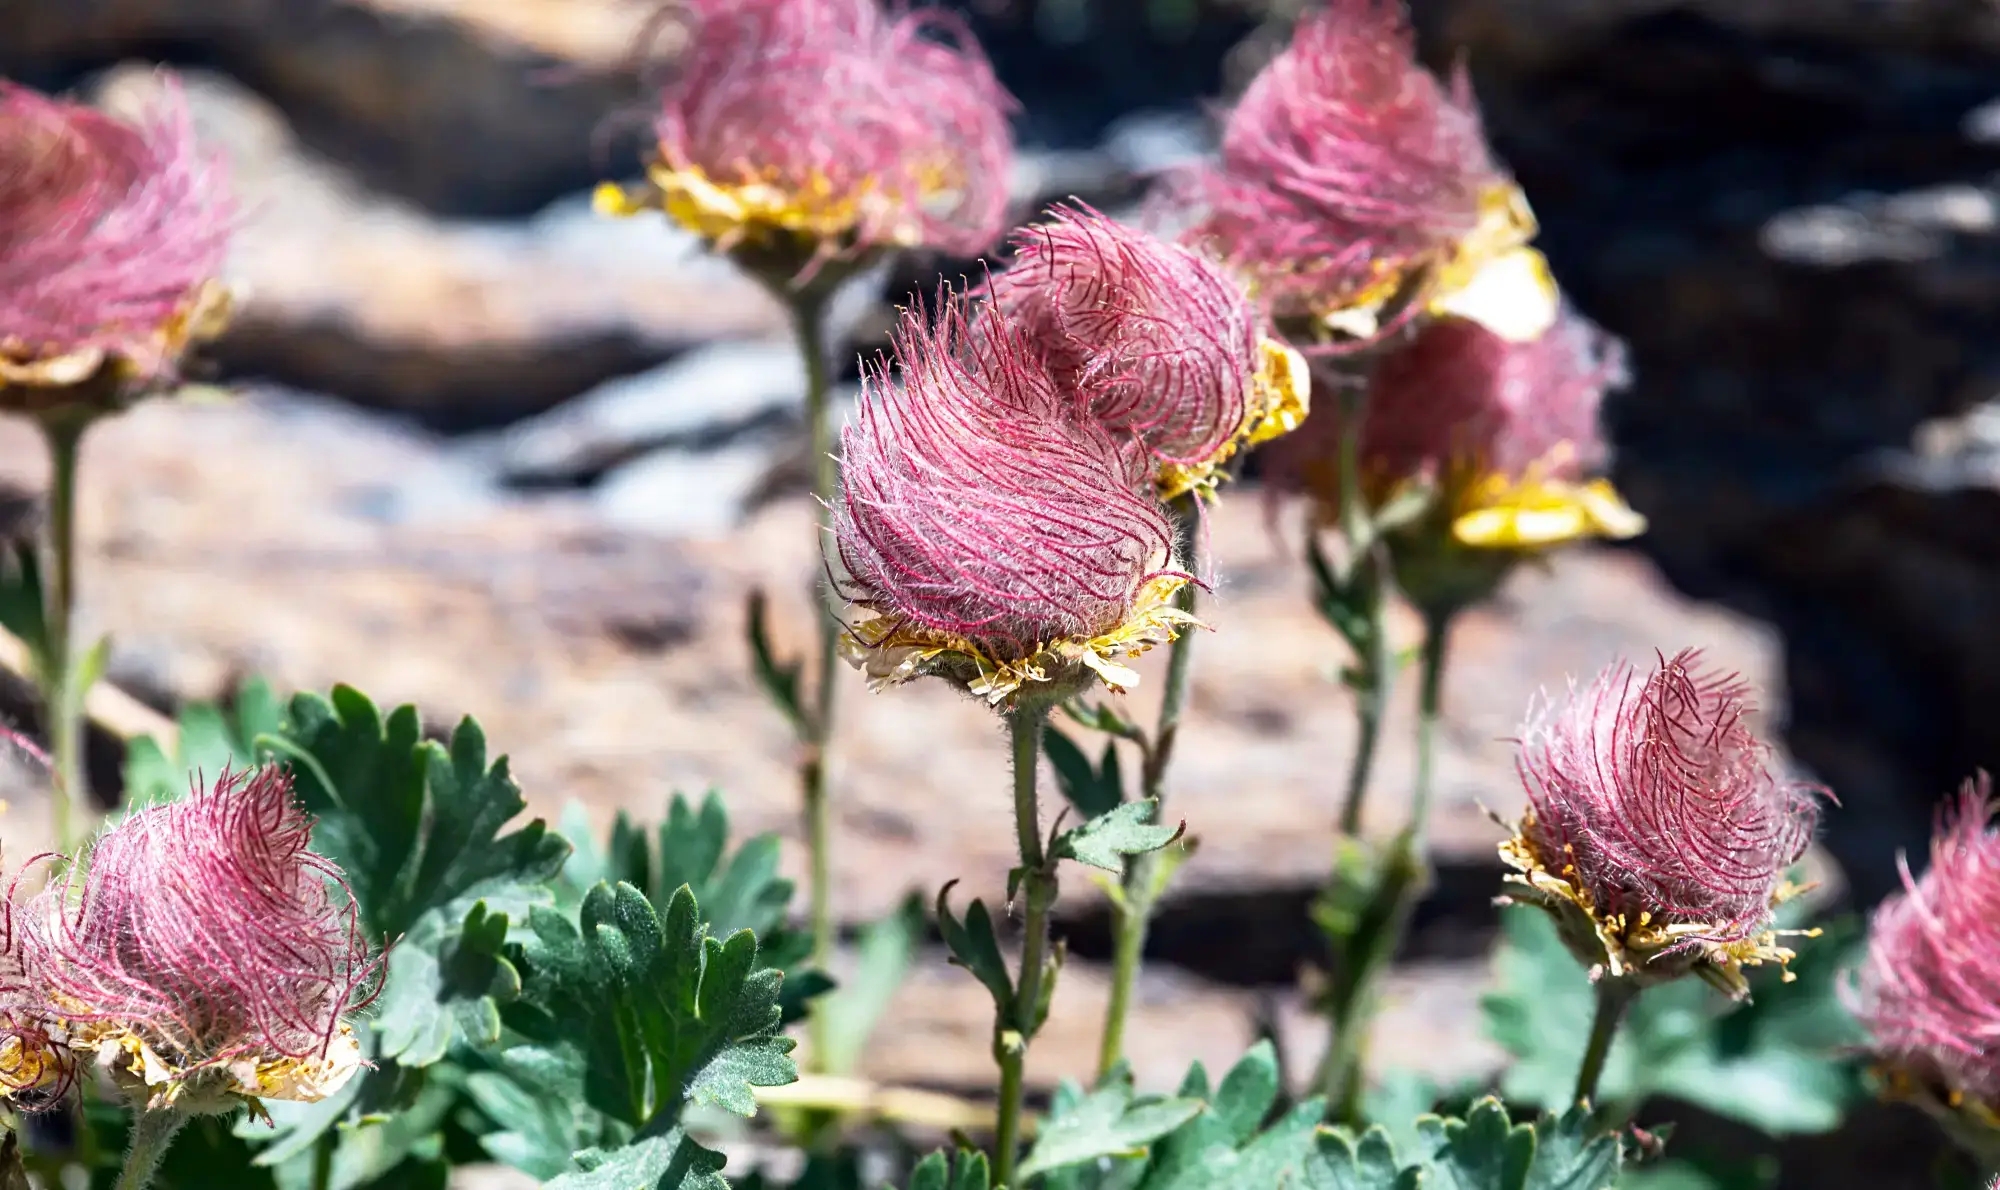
(1430, 700)
(809, 321)
(1038, 888)
(62, 696)
(1135, 915)
(1375, 661)
(1614, 996)
(322, 1170)
(152, 1133)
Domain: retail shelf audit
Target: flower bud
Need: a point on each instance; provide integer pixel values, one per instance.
(1656, 832)
(112, 237)
(1501, 437)
(1352, 181)
(1929, 990)
(797, 130)
(1159, 340)
(205, 955)
(990, 532)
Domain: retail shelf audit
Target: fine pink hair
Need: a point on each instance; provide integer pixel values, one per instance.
(1344, 158)
(1658, 792)
(210, 926)
(24, 1002)
(107, 229)
(840, 93)
(1158, 339)
(1457, 395)
(1929, 990)
(976, 501)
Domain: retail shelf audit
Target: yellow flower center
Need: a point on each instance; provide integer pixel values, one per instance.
(136, 1064)
(761, 206)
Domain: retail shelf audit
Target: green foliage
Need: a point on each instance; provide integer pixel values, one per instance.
(1108, 1122)
(739, 891)
(974, 946)
(964, 1170)
(780, 680)
(1093, 789)
(668, 1162)
(883, 956)
(1775, 1063)
(660, 1014)
(1105, 841)
(209, 739)
(21, 611)
(441, 990)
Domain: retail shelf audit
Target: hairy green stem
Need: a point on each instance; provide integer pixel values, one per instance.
(1366, 558)
(1038, 888)
(809, 321)
(62, 695)
(1134, 917)
(152, 1133)
(1614, 996)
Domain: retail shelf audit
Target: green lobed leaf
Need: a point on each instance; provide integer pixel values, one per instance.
(1093, 789)
(1572, 1154)
(1340, 1162)
(965, 1169)
(1105, 841)
(973, 946)
(534, 1098)
(442, 991)
(1484, 1151)
(660, 1014)
(667, 1162)
(1108, 1122)
(1222, 1148)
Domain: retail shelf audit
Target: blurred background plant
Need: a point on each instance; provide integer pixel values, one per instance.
(538, 461)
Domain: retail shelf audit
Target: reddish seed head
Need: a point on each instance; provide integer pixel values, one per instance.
(977, 503)
(1929, 992)
(1345, 163)
(1156, 340)
(899, 114)
(1662, 798)
(108, 231)
(209, 931)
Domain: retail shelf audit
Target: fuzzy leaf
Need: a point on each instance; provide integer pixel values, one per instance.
(1571, 1155)
(535, 1100)
(1484, 1151)
(1221, 1148)
(661, 1014)
(443, 990)
(668, 1162)
(1108, 1122)
(1106, 840)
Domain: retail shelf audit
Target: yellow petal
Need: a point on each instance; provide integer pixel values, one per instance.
(1513, 295)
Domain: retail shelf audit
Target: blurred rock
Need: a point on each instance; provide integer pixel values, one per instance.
(686, 493)
(471, 107)
(462, 323)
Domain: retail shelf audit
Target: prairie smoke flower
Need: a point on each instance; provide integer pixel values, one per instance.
(832, 127)
(989, 531)
(1656, 832)
(205, 956)
(112, 236)
(1929, 990)
(36, 1066)
(1350, 177)
(1159, 340)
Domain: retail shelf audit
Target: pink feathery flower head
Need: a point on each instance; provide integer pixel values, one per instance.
(205, 954)
(1506, 431)
(1929, 990)
(1347, 165)
(112, 237)
(845, 126)
(993, 532)
(1654, 813)
(1154, 339)
(37, 1067)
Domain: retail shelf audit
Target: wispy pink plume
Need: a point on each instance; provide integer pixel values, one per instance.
(1929, 992)
(36, 1069)
(1345, 161)
(976, 501)
(1458, 395)
(209, 928)
(107, 229)
(840, 97)
(1156, 340)
(1658, 792)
